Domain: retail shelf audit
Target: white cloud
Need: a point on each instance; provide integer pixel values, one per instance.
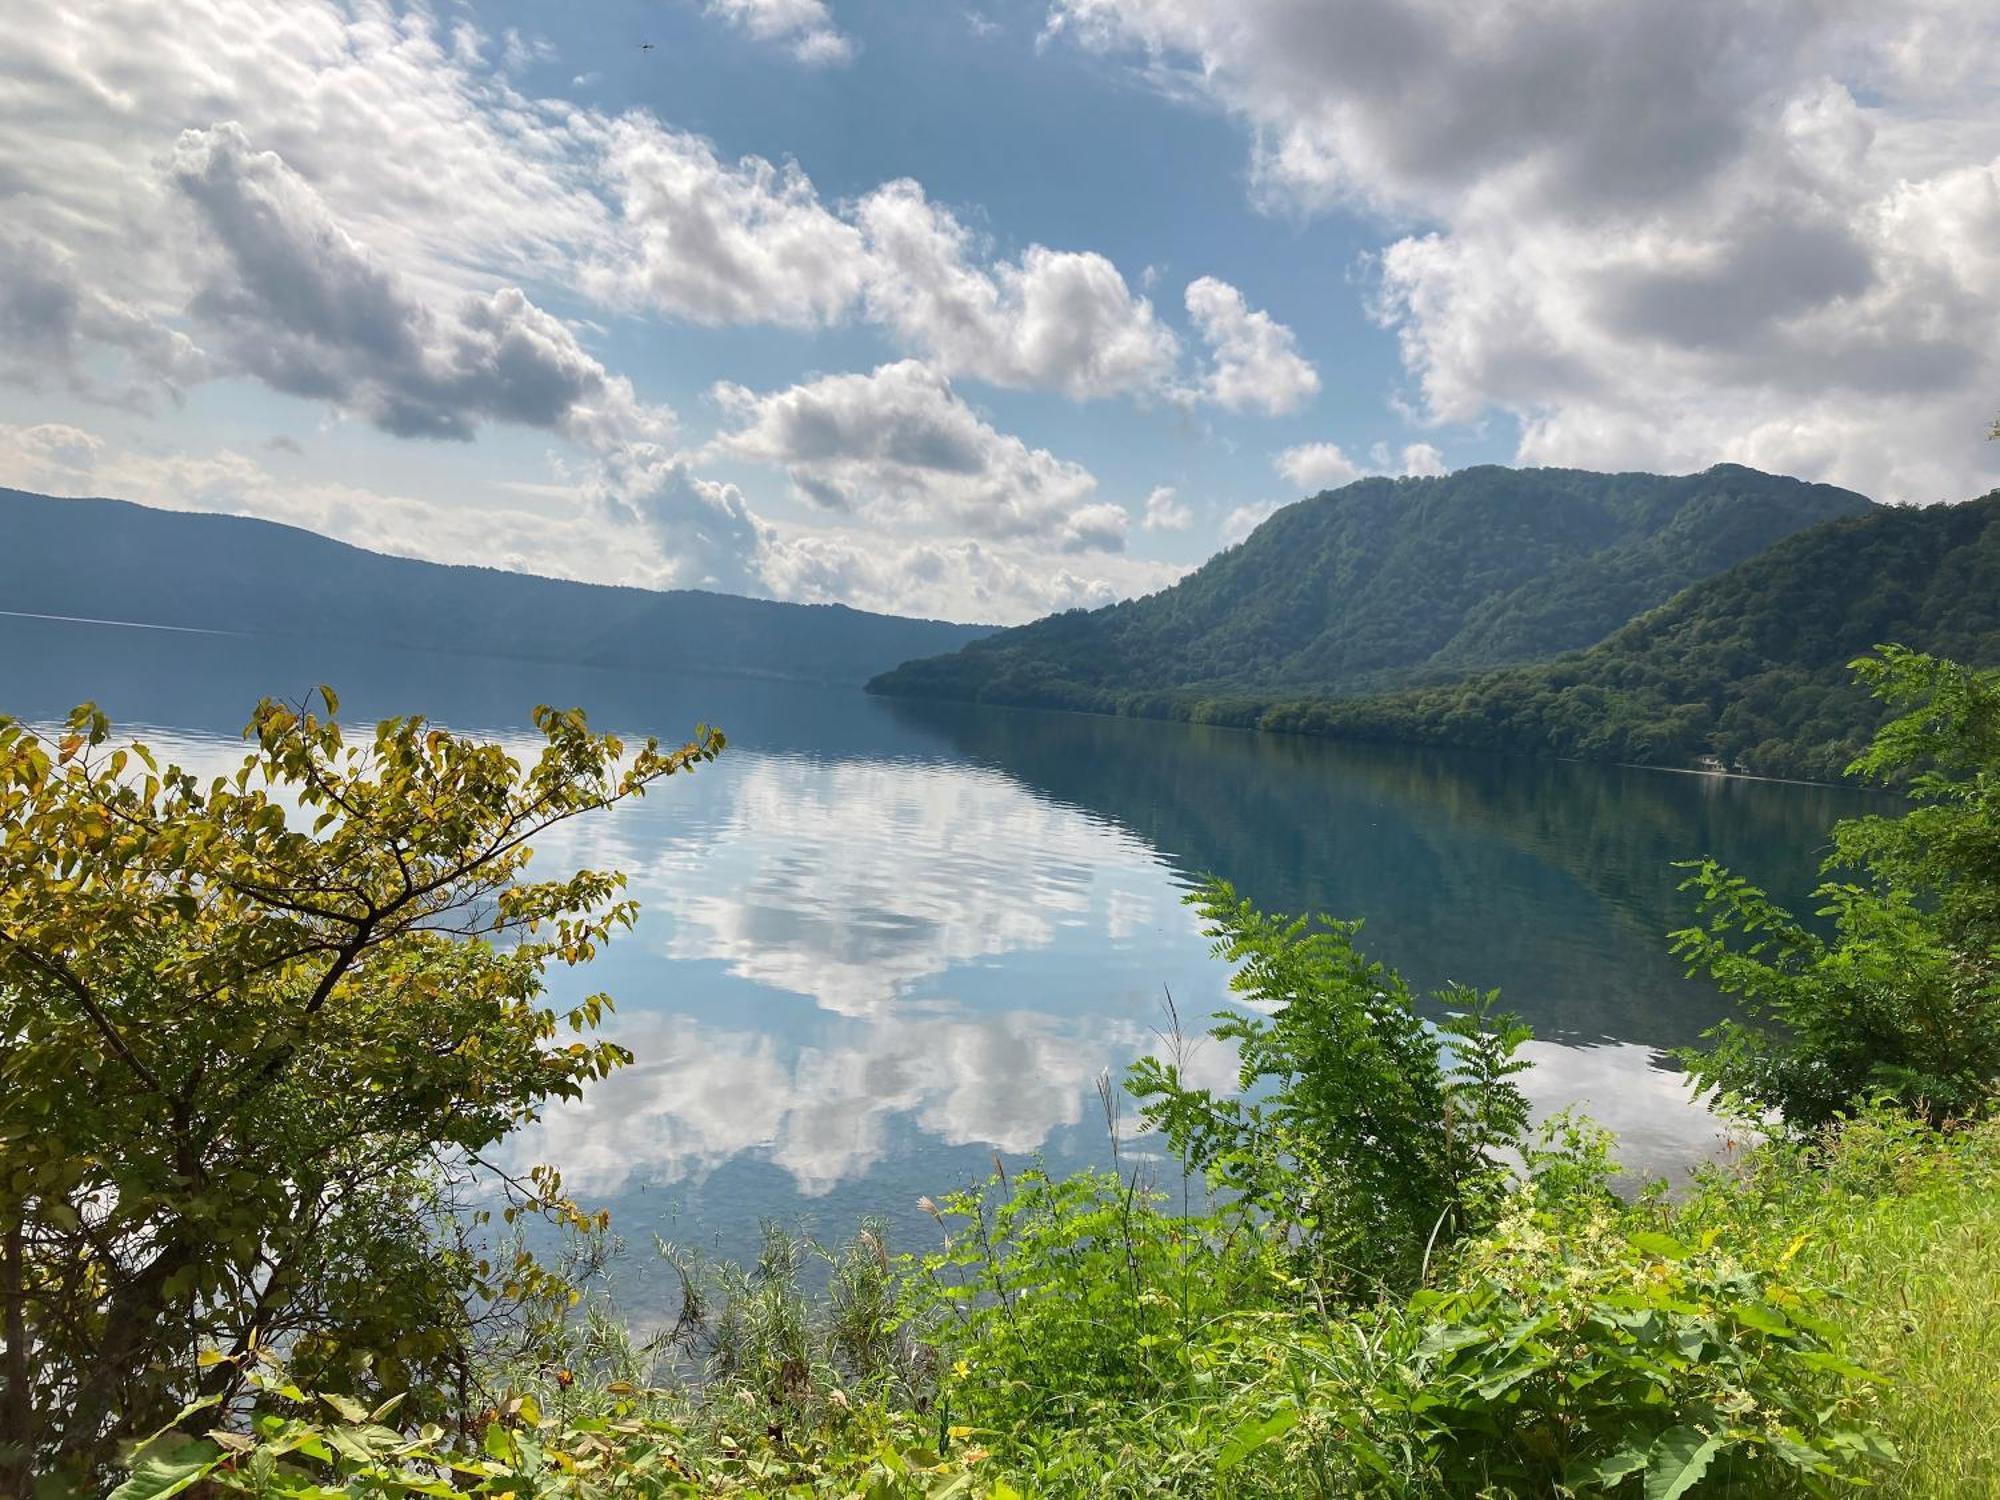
(352, 201)
(717, 243)
(49, 319)
(427, 154)
(804, 27)
(1422, 460)
(898, 445)
(1654, 235)
(1059, 320)
(421, 151)
(1316, 466)
(1254, 360)
(1165, 513)
(1324, 466)
(296, 302)
(980, 582)
(1244, 519)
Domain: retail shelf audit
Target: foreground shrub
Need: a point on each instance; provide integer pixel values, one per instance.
(1055, 1302)
(641, 1445)
(1361, 1137)
(1904, 999)
(256, 1033)
(1583, 1352)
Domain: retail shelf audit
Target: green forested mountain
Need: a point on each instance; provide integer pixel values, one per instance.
(106, 559)
(1393, 580)
(1747, 670)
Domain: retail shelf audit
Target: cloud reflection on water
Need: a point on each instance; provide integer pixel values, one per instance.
(948, 928)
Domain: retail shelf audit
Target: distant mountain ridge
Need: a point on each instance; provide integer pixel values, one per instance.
(1386, 582)
(1746, 671)
(111, 559)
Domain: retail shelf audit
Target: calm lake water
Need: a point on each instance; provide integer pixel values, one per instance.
(883, 941)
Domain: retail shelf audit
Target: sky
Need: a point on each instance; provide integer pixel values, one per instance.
(977, 309)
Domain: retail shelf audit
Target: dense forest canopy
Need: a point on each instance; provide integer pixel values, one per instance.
(106, 559)
(1748, 670)
(1387, 581)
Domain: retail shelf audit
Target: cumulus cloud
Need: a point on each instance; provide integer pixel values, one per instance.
(1421, 461)
(298, 303)
(1166, 513)
(1324, 466)
(716, 242)
(49, 319)
(899, 445)
(421, 149)
(424, 150)
(356, 203)
(1061, 320)
(1254, 360)
(804, 27)
(1652, 235)
(1241, 520)
(1316, 466)
(975, 581)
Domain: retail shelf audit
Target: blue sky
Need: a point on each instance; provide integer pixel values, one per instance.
(975, 310)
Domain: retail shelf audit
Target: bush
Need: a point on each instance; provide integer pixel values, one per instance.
(1904, 999)
(1361, 1137)
(1585, 1352)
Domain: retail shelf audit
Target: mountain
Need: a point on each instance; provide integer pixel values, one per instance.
(107, 559)
(1392, 581)
(1746, 671)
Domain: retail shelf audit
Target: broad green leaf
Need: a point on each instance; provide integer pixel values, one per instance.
(1249, 1436)
(1679, 1458)
(1608, 1471)
(1763, 1317)
(168, 1469)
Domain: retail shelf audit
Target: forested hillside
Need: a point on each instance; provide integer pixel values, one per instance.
(1390, 581)
(106, 559)
(1748, 670)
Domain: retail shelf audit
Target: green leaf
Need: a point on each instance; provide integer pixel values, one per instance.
(1249, 1436)
(1833, 1364)
(499, 1443)
(1444, 1340)
(1652, 1242)
(1763, 1317)
(345, 1407)
(1507, 1377)
(168, 1469)
(1608, 1471)
(1679, 1458)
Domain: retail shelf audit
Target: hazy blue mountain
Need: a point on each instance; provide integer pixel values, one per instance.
(1386, 582)
(107, 559)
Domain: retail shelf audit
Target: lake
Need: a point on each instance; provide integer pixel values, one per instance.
(884, 941)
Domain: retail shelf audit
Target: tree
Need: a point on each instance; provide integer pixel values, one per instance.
(255, 1037)
(1904, 999)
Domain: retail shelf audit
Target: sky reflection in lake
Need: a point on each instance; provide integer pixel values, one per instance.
(881, 942)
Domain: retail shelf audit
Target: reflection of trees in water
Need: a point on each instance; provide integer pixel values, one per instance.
(1553, 881)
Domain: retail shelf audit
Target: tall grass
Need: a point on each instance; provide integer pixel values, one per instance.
(1902, 1223)
(1924, 1272)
